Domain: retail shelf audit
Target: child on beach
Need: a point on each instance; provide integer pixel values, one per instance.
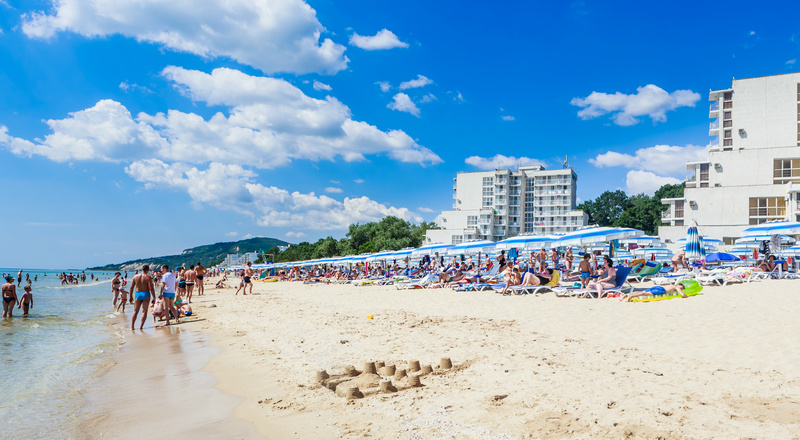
(158, 309)
(586, 270)
(26, 302)
(123, 299)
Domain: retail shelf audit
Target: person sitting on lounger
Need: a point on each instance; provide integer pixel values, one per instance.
(669, 288)
(679, 258)
(607, 277)
(537, 279)
(768, 265)
(512, 277)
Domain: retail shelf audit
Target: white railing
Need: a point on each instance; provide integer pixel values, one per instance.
(714, 125)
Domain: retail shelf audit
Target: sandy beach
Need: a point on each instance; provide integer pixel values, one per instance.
(719, 365)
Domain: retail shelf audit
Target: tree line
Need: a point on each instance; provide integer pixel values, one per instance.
(640, 211)
(389, 234)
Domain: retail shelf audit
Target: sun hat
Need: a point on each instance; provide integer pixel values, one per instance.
(9, 278)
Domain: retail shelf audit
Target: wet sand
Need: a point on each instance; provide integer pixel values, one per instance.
(158, 387)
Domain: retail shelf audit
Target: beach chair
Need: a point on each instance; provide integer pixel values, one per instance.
(619, 285)
(534, 290)
(421, 283)
(646, 273)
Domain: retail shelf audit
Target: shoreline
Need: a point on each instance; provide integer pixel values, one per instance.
(717, 365)
(156, 377)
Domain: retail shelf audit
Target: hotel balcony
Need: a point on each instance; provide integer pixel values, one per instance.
(713, 128)
(499, 232)
(691, 181)
(713, 110)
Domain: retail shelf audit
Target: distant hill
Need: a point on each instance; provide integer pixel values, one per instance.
(210, 253)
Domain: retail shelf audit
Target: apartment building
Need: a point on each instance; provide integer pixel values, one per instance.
(493, 205)
(239, 259)
(752, 174)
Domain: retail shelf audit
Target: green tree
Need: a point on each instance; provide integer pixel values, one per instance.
(606, 208)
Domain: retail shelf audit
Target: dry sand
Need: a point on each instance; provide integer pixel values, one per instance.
(723, 365)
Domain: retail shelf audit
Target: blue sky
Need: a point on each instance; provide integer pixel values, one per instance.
(130, 129)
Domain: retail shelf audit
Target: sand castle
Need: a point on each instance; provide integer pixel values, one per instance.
(377, 377)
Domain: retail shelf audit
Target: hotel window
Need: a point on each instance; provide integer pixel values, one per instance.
(786, 170)
(726, 115)
(727, 105)
(678, 222)
(703, 175)
(488, 191)
(764, 209)
(678, 208)
(488, 202)
(727, 124)
(728, 96)
(458, 239)
(472, 220)
(727, 142)
(488, 181)
(728, 134)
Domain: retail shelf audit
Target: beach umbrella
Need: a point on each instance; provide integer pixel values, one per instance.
(472, 247)
(793, 251)
(526, 242)
(644, 240)
(721, 256)
(777, 227)
(595, 234)
(694, 246)
(757, 239)
(378, 256)
(430, 249)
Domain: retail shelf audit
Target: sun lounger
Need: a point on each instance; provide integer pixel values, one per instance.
(535, 290)
(619, 285)
(646, 273)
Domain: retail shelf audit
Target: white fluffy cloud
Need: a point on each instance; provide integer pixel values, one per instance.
(423, 209)
(500, 162)
(421, 81)
(333, 190)
(321, 86)
(232, 234)
(509, 118)
(231, 187)
(638, 181)
(292, 234)
(384, 39)
(271, 35)
(384, 85)
(663, 159)
(269, 123)
(649, 100)
(402, 103)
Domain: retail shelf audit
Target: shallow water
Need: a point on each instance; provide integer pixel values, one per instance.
(49, 357)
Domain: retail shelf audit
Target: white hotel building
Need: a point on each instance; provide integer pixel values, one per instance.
(752, 174)
(493, 205)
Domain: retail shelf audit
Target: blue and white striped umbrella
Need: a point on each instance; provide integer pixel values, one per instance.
(694, 246)
(595, 234)
(644, 240)
(430, 249)
(757, 239)
(778, 227)
(526, 242)
(793, 251)
(472, 247)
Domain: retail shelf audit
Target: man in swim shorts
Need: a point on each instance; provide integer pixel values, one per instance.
(246, 279)
(142, 289)
(168, 281)
(191, 278)
(201, 273)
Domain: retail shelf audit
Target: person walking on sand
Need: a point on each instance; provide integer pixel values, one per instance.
(201, 273)
(168, 281)
(246, 279)
(10, 299)
(143, 290)
(26, 302)
(115, 284)
(191, 279)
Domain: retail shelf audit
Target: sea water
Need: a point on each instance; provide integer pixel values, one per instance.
(48, 358)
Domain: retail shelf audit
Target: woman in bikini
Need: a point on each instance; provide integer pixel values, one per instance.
(115, 285)
(10, 299)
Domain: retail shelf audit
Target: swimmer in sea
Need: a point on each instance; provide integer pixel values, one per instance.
(9, 297)
(143, 290)
(26, 302)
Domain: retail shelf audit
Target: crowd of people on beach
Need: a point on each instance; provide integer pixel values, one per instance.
(175, 291)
